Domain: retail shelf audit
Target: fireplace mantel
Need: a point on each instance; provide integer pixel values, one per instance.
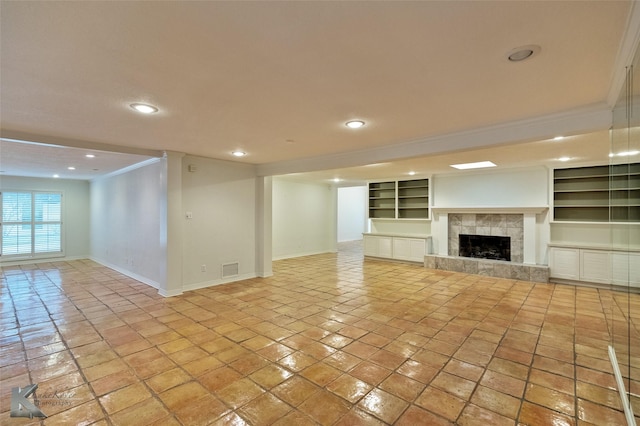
(491, 210)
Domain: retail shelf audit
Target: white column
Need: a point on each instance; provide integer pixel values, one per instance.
(529, 239)
(171, 224)
(440, 233)
(264, 239)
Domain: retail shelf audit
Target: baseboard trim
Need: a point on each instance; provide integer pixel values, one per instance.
(128, 273)
(205, 284)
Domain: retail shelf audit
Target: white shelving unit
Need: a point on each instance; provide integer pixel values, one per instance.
(597, 193)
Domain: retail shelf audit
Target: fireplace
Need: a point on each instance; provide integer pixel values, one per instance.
(526, 229)
(485, 247)
(505, 225)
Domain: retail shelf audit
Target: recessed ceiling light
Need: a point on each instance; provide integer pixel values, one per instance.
(564, 158)
(56, 176)
(558, 138)
(523, 52)
(336, 180)
(90, 156)
(71, 168)
(478, 165)
(411, 173)
(354, 124)
(144, 108)
(238, 153)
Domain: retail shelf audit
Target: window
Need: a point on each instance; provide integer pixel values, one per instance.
(31, 223)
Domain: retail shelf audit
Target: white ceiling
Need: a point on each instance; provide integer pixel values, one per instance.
(279, 80)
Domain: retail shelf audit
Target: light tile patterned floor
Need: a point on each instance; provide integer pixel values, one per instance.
(329, 339)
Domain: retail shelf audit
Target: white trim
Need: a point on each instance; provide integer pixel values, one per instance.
(211, 283)
(491, 210)
(126, 169)
(628, 410)
(128, 273)
(164, 293)
(309, 253)
(626, 53)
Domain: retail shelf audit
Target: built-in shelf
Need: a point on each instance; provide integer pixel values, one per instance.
(382, 200)
(413, 199)
(608, 193)
(407, 199)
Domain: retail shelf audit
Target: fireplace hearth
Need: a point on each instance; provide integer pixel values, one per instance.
(485, 247)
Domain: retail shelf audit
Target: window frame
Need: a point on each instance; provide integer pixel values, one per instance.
(33, 223)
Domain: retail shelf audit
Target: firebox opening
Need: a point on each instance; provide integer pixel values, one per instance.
(485, 247)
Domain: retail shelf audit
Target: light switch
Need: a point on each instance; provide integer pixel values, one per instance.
(189, 215)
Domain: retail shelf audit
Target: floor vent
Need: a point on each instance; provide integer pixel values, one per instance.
(230, 270)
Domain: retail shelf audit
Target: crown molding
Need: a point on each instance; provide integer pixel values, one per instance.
(626, 53)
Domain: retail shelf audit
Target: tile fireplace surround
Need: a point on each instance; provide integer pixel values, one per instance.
(508, 225)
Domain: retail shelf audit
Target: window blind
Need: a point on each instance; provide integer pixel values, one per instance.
(31, 223)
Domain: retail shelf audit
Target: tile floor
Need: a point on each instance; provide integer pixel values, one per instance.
(329, 339)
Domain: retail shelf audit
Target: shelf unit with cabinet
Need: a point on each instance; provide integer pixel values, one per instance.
(597, 193)
(405, 199)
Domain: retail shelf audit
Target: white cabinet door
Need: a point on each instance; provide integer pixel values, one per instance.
(378, 246)
(371, 245)
(385, 247)
(412, 249)
(564, 263)
(595, 266)
(417, 249)
(625, 268)
(401, 248)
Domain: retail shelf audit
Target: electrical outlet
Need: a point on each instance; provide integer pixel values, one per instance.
(203, 268)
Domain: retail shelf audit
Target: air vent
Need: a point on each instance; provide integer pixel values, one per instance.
(230, 270)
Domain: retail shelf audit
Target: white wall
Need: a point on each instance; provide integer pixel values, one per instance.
(75, 204)
(125, 222)
(352, 213)
(304, 218)
(619, 235)
(221, 196)
(488, 188)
